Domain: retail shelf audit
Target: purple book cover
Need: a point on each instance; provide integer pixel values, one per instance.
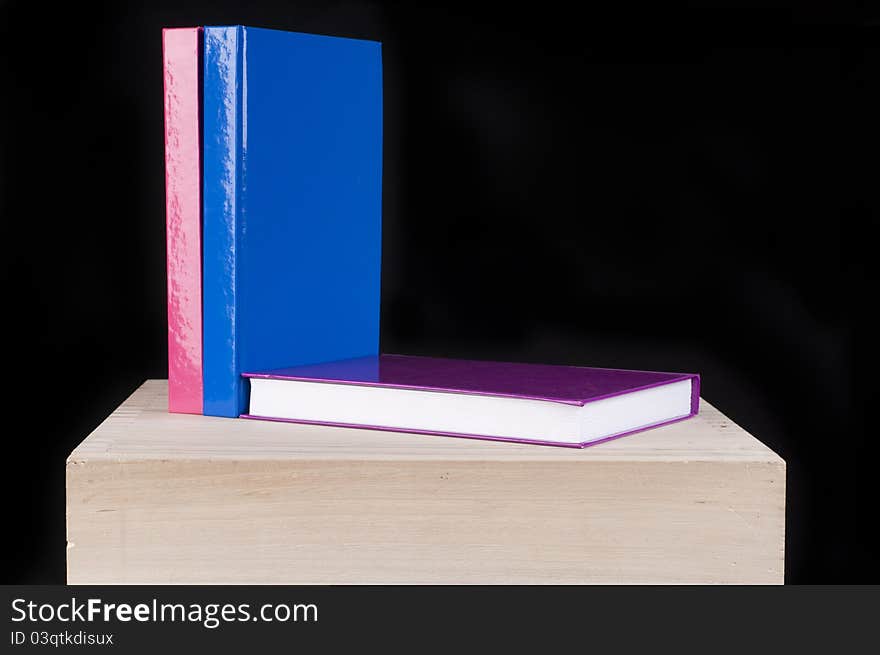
(569, 385)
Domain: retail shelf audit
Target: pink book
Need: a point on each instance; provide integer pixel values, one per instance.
(180, 48)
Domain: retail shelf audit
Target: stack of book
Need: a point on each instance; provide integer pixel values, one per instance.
(273, 152)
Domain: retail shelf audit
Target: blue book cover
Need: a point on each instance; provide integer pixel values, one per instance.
(292, 181)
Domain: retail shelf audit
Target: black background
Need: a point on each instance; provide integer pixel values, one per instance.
(685, 190)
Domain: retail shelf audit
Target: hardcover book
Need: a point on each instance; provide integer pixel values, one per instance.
(292, 204)
(530, 403)
(183, 215)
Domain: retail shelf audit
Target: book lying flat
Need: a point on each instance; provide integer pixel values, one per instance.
(530, 403)
(292, 204)
(183, 211)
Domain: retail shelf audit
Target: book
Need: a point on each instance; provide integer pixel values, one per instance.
(292, 204)
(530, 403)
(183, 216)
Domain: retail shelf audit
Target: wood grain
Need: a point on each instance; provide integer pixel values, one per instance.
(154, 497)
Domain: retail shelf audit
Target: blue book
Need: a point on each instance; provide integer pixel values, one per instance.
(292, 182)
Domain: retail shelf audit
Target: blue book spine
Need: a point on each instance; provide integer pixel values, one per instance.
(292, 181)
(222, 182)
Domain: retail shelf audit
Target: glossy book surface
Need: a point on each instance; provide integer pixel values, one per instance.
(573, 385)
(537, 403)
(183, 205)
(292, 204)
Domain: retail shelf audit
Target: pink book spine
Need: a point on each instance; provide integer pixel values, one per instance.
(183, 203)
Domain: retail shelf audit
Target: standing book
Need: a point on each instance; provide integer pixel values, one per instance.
(292, 204)
(529, 403)
(183, 215)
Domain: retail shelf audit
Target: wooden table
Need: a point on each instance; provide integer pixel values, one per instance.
(154, 497)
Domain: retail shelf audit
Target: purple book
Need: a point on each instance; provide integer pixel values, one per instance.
(570, 406)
